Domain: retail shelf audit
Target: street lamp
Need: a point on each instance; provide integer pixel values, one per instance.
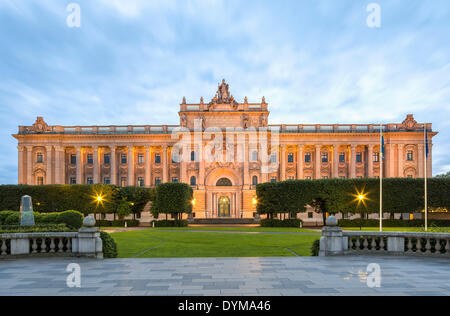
(360, 197)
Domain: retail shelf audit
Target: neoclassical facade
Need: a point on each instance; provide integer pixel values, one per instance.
(222, 148)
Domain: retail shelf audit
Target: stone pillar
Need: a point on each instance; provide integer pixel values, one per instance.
(400, 159)
(317, 162)
(352, 161)
(79, 165)
(148, 166)
(131, 181)
(300, 162)
(113, 171)
(88, 243)
(58, 165)
(246, 162)
(420, 162)
(96, 165)
(332, 241)
(335, 161)
(396, 244)
(30, 165)
(200, 159)
(370, 161)
(165, 165)
(48, 171)
(390, 172)
(283, 163)
(21, 164)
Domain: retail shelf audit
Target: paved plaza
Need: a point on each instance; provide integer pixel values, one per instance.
(227, 276)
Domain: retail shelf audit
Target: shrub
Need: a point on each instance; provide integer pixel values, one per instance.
(117, 223)
(72, 219)
(12, 219)
(4, 215)
(315, 248)
(391, 223)
(292, 222)
(172, 198)
(50, 218)
(35, 229)
(170, 223)
(109, 246)
(124, 209)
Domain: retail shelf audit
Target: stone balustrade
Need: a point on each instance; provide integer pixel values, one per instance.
(334, 241)
(84, 243)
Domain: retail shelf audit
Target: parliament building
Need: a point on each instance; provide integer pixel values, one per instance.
(223, 149)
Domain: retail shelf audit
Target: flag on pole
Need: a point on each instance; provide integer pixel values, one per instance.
(381, 176)
(426, 176)
(382, 145)
(426, 144)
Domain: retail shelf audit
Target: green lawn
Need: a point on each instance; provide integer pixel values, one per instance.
(177, 244)
(401, 229)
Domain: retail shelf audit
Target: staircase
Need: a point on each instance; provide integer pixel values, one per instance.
(223, 221)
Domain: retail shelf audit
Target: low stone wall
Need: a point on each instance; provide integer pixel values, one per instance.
(336, 242)
(84, 243)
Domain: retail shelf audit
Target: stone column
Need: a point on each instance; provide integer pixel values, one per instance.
(200, 159)
(401, 159)
(370, 161)
(148, 166)
(131, 166)
(283, 163)
(58, 165)
(21, 164)
(96, 165)
(79, 165)
(48, 171)
(165, 165)
(390, 164)
(300, 162)
(352, 161)
(317, 162)
(246, 162)
(30, 165)
(335, 161)
(420, 163)
(113, 171)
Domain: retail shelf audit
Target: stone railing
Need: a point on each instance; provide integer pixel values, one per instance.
(84, 243)
(336, 242)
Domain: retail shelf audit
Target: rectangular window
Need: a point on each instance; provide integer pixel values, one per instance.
(324, 157)
(410, 176)
(90, 181)
(141, 182)
(123, 182)
(291, 158)
(308, 178)
(308, 157)
(90, 159)
(273, 179)
(174, 179)
(73, 159)
(107, 180)
(343, 177)
(358, 157)
(157, 181)
(175, 157)
(40, 158)
(325, 177)
(107, 159)
(157, 158)
(410, 155)
(40, 181)
(73, 180)
(310, 215)
(141, 158)
(273, 158)
(123, 158)
(341, 157)
(376, 157)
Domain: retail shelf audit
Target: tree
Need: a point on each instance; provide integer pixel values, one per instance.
(172, 198)
(124, 209)
(444, 175)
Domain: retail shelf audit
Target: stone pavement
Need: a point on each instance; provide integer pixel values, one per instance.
(227, 276)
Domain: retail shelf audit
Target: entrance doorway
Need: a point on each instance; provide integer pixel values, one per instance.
(224, 207)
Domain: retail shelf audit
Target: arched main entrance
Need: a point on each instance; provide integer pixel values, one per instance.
(224, 206)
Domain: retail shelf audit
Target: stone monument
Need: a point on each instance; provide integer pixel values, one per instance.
(26, 211)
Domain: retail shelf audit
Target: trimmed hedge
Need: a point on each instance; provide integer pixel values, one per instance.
(391, 223)
(292, 222)
(35, 229)
(400, 195)
(117, 223)
(170, 223)
(109, 246)
(172, 198)
(72, 219)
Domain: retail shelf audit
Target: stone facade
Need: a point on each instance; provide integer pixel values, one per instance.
(142, 155)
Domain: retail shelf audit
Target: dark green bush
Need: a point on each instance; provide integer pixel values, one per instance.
(117, 223)
(315, 248)
(391, 223)
(292, 222)
(72, 219)
(12, 219)
(109, 246)
(170, 223)
(4, 215)
(50, 218)
(35, 229)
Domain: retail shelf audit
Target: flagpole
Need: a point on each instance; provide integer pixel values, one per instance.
(426, 176)
(381, 177)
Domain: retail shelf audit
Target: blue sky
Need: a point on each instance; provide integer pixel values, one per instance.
(132, 61)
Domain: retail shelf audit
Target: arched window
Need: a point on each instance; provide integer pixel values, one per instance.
(224, 182)
(254, 180)
(192, 155)
(193, 181)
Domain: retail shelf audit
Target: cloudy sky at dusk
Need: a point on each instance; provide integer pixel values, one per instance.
(132, 61)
